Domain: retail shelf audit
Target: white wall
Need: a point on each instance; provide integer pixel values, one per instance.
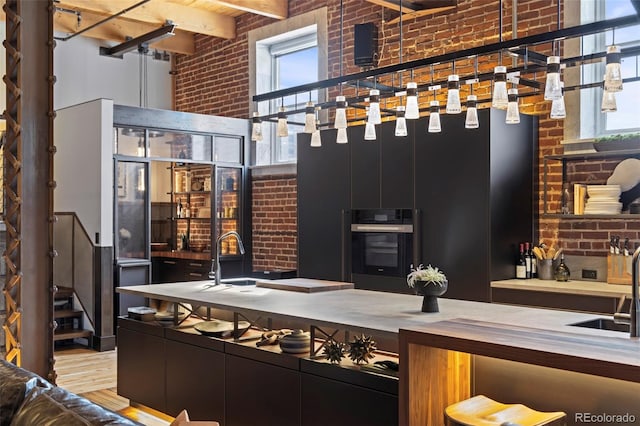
(83, 167)
(83, 75)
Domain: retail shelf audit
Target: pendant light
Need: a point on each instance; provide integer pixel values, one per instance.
(471, 121)
(608, 102)
(401, 122)
(341, 137)
(552, 87)
(558, 110)
(316, 141)
(434, 117)
(256, 127)
(412, 111)
(613, 73)
(513, 112)
(453, 93)
(374, 107)
(282, 128)
(500, 97)
(309, 118)
(341, 113)
(369, 128)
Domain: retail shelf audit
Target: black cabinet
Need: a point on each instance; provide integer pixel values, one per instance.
(396, 166)
(323, 197)
(475, 190)
(141, 363)
(258, 393)
(381, 170)
(365, 170)
(195, 381)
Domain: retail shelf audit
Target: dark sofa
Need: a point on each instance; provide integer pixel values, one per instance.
(27, 399)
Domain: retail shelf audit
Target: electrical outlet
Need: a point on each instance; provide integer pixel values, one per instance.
(590, 274)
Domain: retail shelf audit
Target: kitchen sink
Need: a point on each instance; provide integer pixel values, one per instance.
(602, 324)
(239, 281)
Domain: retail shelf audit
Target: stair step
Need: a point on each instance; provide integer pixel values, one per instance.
(63, 293)
(71, 334)
(67, 313)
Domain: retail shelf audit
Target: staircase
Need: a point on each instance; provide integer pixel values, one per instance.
(69, 320)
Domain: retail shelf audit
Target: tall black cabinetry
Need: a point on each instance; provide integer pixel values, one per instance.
(475, 191)
(323, 204)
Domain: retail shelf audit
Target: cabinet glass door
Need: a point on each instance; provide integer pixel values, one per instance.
(228, 184)
(192, 206)
(131, 236)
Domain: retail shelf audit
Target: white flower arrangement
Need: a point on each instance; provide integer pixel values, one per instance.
(429, 274)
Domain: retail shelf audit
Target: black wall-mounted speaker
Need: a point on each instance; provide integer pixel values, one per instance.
(365, 50)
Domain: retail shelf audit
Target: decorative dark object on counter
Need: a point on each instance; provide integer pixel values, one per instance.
(297, 342)
(361, 349)
(429, 282)
(562, 272)
(333, 351)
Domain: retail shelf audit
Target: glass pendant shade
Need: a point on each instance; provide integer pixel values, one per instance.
(256, 127)
(453, 95)
(613, 74)
(500, 98)
(401, 122)
(412, 111)
(341, 137)
(434, 117)
(316, 141)
(374, 107)
(309, 118)
(552, 87)
(558, 110)
(369, 132)
(282, 128)
(608, 102)
(471, 121)
(513, 112)
(341, 113)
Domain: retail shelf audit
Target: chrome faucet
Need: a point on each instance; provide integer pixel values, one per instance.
(633, 317)
(215, 273)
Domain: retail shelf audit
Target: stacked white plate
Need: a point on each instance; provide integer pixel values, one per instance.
(603, 199)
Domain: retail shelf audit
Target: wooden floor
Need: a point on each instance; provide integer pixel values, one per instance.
(93, 375)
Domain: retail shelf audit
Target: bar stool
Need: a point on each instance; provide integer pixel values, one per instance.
(483, 411)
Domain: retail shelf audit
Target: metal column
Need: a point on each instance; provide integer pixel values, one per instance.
(28, 185)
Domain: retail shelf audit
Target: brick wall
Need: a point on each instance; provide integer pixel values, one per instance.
(274, 222)
(215, 81)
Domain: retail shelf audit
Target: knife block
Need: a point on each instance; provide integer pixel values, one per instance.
(619, 269)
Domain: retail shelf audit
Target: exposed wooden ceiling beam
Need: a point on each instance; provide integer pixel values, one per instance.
(157, 12)
(118, 29)
(277, 9)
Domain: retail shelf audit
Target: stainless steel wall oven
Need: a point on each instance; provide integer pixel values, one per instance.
(382, 241)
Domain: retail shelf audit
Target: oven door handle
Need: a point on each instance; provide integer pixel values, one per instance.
(405, 229)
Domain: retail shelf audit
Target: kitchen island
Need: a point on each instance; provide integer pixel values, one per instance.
(549, 337)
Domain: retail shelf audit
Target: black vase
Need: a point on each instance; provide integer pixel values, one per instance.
(430, 292)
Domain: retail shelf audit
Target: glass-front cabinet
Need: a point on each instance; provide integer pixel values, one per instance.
(176, 191)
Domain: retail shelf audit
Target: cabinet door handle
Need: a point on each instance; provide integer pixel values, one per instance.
(194, 274)
(169, 262)
(195, 264)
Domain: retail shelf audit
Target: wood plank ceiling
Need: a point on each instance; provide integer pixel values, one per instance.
(211, 17)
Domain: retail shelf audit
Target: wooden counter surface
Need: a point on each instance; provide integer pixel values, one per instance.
(189, 255)
(581, 288)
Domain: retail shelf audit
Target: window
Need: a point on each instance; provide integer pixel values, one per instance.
(284, 61)
(594, 123)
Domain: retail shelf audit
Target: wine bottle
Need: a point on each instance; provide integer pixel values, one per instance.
(521, 264)
(179, 209)
(562, 272)
(527, 260)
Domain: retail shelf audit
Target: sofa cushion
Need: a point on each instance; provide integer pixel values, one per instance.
(93, 413)
(15, 384)
(40, 409)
